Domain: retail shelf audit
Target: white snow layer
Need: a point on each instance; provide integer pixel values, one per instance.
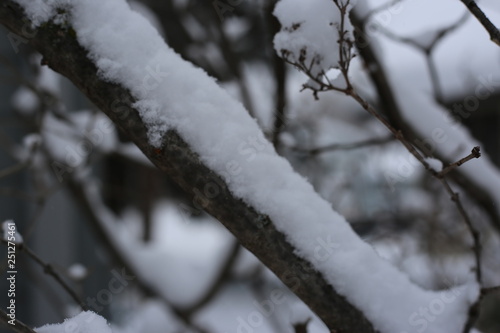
(25, 101)
(85, 322)
(187, 251)
(434, 164)
(309, 33)
(10, 232)
(172, 93)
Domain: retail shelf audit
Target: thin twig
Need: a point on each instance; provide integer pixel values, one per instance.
(484, 20)
(19, 326)
(233, 62)
(14, 169)
(79, 191)
(21, 165)
(439, 34)
(49, 270)
(476, 247)
(380, 8)
(453, 195)
(475, 153)
(345, 57)
(343, 146)
(490, 290)
(473, 315)
(279, 75)
(474, 308)
(429, 48)
(93, 208)
(436, 85)
(224, 273)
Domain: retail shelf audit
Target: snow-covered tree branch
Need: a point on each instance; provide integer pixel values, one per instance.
(62, 51)
(210, 145)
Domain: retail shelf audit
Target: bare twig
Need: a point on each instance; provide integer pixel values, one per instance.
(49, 270)
(476, 247)
(279, 70)
(388, 103)
(475, 153)
(343, 146)
(490, 290)
(234, 63)
(474, 308)
(19, 166)
(438, 35)
(473, 315)
(453, 195)
(325, 85)
(429, 48)
(13, 169)
(93, 207)
(484, 20)
(218, 283)
(380, 8)
(349, 90)
(19, 326)
(433, 73)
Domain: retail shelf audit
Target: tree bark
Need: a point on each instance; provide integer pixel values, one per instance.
(61, 52)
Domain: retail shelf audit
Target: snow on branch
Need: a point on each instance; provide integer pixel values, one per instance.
(191, 129)
(85, 322)
(63, 53)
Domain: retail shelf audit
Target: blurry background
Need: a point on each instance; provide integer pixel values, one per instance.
(141, 253)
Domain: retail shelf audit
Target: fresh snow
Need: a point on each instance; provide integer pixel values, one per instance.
(434, 164)
(85, 322)
(25, 101)
(173, 94)
(150, 316)
(187, 251)
(10, 235)
(78, 272)
(310, 27)
(466, 59)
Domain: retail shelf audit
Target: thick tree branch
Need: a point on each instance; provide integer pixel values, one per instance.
(63, 53)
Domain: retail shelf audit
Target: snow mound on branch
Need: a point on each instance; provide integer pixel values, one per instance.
(173, 94)
(309, 33)
(85, 322)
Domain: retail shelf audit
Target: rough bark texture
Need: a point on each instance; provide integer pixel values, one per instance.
(62, 52)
